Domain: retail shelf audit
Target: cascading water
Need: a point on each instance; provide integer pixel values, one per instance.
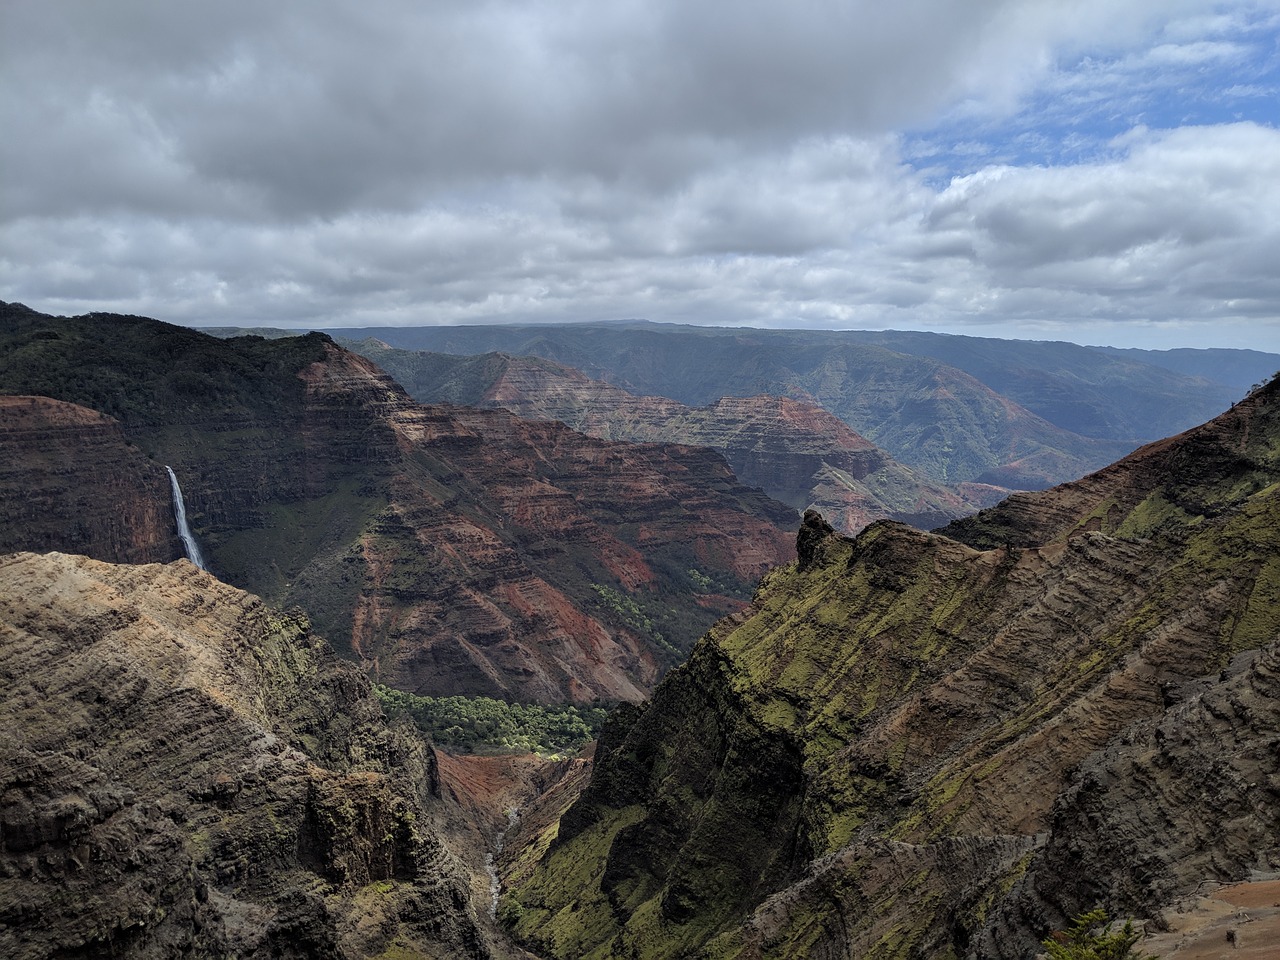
(184, 531)
(491, 865)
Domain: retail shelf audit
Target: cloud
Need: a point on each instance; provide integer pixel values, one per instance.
(916, 163)
(310, 108)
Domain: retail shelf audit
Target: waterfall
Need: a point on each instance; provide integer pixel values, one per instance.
(184, 531)
(491, 865)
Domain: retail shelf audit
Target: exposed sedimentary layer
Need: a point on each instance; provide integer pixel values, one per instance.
(792, 449)
(185, 771)
(69, 480)
(914, 746)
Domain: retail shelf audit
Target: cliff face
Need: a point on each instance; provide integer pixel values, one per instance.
(1184, 801)
(69, 480)
(451, 551)
(911, 746)
(530, 559)
(185, 771)
(793, 450)
(935, 417)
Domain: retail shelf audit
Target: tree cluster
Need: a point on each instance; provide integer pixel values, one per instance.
(485, 725)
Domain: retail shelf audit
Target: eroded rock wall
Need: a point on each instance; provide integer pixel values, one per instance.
(916, 747)
(185, 771)
(70, 480)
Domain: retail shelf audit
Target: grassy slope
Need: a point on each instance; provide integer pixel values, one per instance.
(907, 687)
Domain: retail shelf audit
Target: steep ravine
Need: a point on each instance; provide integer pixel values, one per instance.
(450, 551)
(916, 747)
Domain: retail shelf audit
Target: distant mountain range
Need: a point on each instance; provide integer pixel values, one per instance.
(1015, 414)
(795, 451)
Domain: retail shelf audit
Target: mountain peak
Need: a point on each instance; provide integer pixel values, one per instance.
(814, 532)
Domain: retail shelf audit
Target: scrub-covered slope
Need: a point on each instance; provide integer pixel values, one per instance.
(916, 747)
(186, 772)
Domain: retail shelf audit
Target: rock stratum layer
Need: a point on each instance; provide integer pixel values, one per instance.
(922, 745)
(185, 772)
(795, 451)
(452, 551)
(69, 480)
(937, 418)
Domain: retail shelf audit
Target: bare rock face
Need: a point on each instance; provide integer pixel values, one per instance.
(187, 772)
(793, 449)
(451, 551)
(69, 480)
(524, 559)
(914, 746)
(1184, 801)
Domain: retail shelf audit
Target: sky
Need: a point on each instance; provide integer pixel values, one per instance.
(1101, 171)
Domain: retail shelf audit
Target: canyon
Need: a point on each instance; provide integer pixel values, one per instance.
(901, 744)
(449, 550)
(795, 451)
(950, 744)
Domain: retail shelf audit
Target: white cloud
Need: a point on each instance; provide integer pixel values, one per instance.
(410, 161)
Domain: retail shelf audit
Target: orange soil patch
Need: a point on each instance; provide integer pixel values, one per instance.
(485, 788)
(1241, 921)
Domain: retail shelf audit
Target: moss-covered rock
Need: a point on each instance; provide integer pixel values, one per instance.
(867, 763)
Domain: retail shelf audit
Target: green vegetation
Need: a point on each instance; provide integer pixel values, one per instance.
(1091, 938)
(700, 579)
(630, 612)
(484, 725)
(143, 371)
(562, 910)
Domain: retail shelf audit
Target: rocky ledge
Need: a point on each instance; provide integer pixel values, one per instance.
(69, 480)
(185, 771)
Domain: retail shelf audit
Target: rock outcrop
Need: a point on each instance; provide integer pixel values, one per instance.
(69, 480)
(186, 772)
(451, 551)
(914, 746)
(794, 450)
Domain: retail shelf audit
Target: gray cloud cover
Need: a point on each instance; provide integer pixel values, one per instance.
(1030, 168)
